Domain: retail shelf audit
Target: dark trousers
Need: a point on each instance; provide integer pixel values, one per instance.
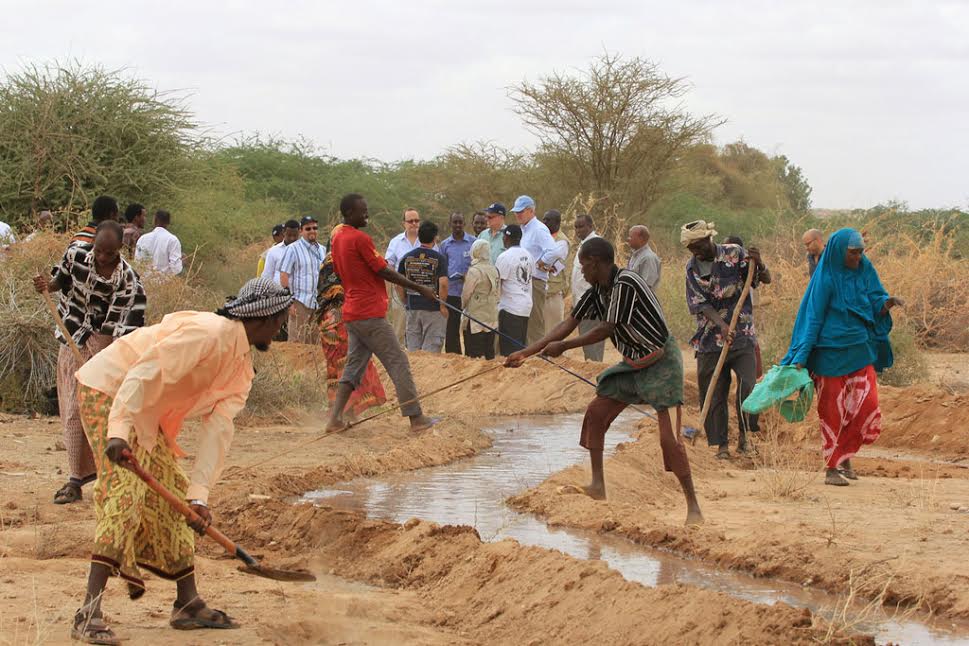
(480, 344)
(742, 362)
(516, 327)
(452, 339)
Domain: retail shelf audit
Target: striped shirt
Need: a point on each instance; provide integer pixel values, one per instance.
(86, 235)
(630, 304)
(301, 263)
(90, 303)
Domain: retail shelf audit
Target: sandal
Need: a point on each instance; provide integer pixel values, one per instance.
(201, 617)
(93, 630)
(723, 454)
(833, 477)
(847, 470)
(70, 492)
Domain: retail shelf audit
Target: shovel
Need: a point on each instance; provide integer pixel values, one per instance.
(251, 566)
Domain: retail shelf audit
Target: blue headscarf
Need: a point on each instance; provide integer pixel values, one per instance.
(842, 312)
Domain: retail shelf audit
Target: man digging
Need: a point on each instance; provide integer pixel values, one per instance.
(651, 371)
(134, 395)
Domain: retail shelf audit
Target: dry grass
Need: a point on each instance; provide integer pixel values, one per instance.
(785, 469)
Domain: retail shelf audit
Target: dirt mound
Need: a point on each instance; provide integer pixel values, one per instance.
(509, 594)
(925, 419)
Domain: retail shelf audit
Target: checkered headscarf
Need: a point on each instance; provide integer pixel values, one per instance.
(258, 298)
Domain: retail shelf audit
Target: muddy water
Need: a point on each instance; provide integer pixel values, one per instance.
(528, 450)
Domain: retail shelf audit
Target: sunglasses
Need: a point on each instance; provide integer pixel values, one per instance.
(412, 221)
(310, 228)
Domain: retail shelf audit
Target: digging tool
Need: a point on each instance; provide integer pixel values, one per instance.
(60, 325)
(690, 432)
(251, 566)
(540, 355)
(379, 413)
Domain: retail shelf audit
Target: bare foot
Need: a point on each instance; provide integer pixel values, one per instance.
(421, 423)
(694, 517)
(568, 489)
(595, 491)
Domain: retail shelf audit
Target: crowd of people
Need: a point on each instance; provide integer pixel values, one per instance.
(125, 388)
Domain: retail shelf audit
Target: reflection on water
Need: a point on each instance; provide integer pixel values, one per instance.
(528, 450)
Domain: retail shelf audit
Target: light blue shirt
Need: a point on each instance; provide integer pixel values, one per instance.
(537, 240)
(302, 263)
(458, 254)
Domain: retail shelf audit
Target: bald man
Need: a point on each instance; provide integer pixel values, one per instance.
(813, 241)
(642, 260)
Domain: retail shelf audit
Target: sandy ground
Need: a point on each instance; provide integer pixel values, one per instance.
(380, 583)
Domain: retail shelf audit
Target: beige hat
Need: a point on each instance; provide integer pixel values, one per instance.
(696, 230)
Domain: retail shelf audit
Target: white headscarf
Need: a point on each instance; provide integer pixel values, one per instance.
(481, 252)
(696, 230)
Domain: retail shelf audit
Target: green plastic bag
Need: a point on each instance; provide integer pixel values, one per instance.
(776, 387)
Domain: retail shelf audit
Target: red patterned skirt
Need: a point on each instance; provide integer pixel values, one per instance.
(370, 393)
(850, 417)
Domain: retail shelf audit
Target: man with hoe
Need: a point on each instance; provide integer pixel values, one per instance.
(134, 397)
(651, 372)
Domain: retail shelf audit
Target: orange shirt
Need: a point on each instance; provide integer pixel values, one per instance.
(192, 365)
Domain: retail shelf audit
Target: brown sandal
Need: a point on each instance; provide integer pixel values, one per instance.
(195, 615)
(93, 630)
(70, 492)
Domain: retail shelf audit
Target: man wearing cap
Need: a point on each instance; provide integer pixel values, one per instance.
(558, 278)
(364, 274)
(515, 266)
(135, 396)
(299, 270)
(625, 311)
(584, 230)
(276, 253)
(715, 277)
(277, 235)
(539, 243)
(496, 226)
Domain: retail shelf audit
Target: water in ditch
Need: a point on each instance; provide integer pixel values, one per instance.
(528, 450)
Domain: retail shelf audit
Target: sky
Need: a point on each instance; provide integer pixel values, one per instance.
(868, 97)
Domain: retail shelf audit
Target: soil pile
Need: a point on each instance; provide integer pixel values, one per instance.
(926, 420)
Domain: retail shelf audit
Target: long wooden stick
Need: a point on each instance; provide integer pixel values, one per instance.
(60, 324)
(726, 346)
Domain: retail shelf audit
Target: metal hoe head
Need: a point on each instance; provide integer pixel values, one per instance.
(277, 575)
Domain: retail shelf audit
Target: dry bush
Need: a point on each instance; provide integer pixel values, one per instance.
(283, 387)
(785, 467)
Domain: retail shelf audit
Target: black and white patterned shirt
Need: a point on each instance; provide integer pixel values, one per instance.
(630, 304)
(89, 303)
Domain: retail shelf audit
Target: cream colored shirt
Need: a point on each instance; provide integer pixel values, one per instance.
(192, 365)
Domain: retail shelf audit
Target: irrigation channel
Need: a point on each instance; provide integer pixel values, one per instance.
(525, 452)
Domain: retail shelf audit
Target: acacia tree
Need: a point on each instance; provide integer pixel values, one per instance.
(68, 133)
(618, 126)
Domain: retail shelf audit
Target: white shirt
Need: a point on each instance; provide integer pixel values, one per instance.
(274, 258)
(515, 266)
(539, 243)
(398, 248)
(162, 248)
(6, 235)
(579, 286)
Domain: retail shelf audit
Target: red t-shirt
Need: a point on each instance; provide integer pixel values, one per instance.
(357, 262)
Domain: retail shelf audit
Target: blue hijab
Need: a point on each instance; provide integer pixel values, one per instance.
(840, 326)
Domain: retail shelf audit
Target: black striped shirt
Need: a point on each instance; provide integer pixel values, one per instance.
(630, 304)
(89, 303)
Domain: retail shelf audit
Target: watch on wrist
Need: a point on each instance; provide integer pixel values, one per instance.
(198, 503)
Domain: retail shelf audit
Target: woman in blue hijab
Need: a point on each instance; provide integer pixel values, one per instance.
(841, 337)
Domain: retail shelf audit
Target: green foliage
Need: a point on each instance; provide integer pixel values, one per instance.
(68, 134)
(910, 364)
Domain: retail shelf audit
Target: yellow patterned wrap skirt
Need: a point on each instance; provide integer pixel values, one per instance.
(136, 528)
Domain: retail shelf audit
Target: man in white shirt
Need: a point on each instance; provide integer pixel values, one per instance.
(400, 245)
(584, 230)
(276, 253)
(539, 243)
(300, 272)
(7, 237)
(160, 246)
(558, 277)
(643, 261)
(515, 266)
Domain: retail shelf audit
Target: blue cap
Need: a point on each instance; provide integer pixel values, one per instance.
(523, 202)
(496, 207)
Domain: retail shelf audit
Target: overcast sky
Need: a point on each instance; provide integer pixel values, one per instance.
(869, 98)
